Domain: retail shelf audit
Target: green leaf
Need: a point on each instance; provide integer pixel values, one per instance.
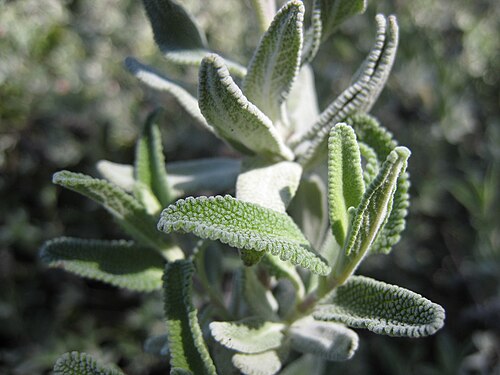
(265, 363)
(281, 269)
(265, 10)
(358, 97)
(121, 175)
(120, 263)
(155, 80)
(150, 162)
(306, 364)
(331, 341)
(372, 165)
(276, 61)
(335, 12)
(76, 363)
(312, 36)
(345, 178)
(188, 350)
(382, 308)
(127, 211)
(260, 299)
(270, 185)
(242, 225)
(249, 335)
(371, 214)
(233, 117)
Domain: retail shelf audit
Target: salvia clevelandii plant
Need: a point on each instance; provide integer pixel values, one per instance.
(315, 192)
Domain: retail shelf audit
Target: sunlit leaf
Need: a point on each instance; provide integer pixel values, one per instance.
(265, 363)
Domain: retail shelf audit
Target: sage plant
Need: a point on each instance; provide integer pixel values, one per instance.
(315, 192)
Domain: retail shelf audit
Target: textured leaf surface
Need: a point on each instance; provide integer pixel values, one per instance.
(359, 96)
(371, 214)
(151, 78)
(76, 363)
(242, 225)
(119, 263)
(233, 117)
(270, 185)
(265, 363)
(248, 336)
(150, 162)
(331, 341)
(334, 12)
(276, 61)
(382, 308)
(188, 351)
(345, 178)
(127, 211)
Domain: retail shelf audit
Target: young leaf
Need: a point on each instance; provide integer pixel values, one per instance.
(276, 61)
(249, 335)
(76, 363)
(270, 185)
(281, 269)
(331, 341)
(242, 225)
(372, 166)
(188, 350)
(233, 117)
(382, 308)
(265, 363)
(259, 298)
(150, 162)
(371, 214)
(151, 78)
(312, 37)
(334, 12)
(360, 96)
(120, 263)
(127, 211)
(345, 178)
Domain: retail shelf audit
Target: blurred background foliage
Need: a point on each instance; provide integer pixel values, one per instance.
(66, 102)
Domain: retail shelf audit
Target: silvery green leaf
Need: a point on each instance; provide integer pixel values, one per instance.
(260, 299)
(249, 335)
(334, 12)
(188, 351)
(150, 163)
(151, 78)
(369, 217)
(331, 341)
(242, 225)
(372, 166)
(382, 308)
(312, 36)
(345, 178)
(281, 269)
(302, 103)
(147, 198)
(233, 117)
(381, 142)
(265, 10)
(270, 185)
(305, 364)
(121, 175)
(265, 363)
(126, 210)
(276, 61)
(76, 363)
(120, 263)
(359, 96)
(309, 209)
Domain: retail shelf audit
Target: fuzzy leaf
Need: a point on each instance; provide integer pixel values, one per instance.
(248, 336)
(233, 117)
(372, 166)
(281, 269)
(331, 341)
(276, 61)
(265, 10)
(312, 36)
(382, 308)
(265, 363)
(381, 142)
(345, 178)
(242, 225)
(188, 351)
(371, 214)
(270, 185)
(259, 298)
(121, 175)
(334, 12)
(76, 363)
(150, 162)
(127, 211)
(359, 96)
(120, 263)
(155, 80)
